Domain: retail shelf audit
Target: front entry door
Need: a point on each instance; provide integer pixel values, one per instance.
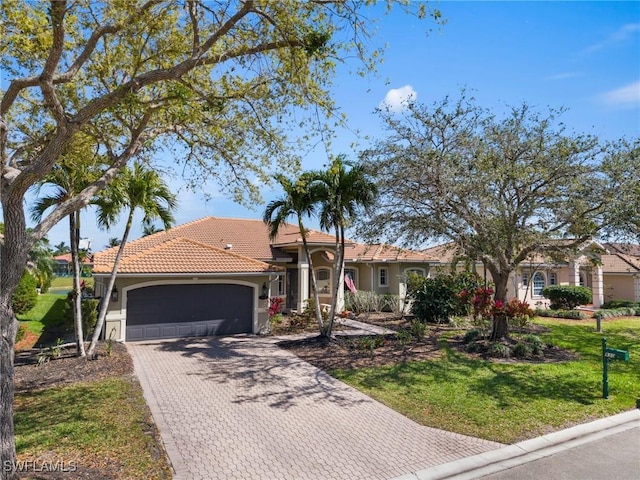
(292, 288)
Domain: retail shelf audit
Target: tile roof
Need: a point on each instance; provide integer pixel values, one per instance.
(620, 263)
(358, 252)
(183, 255)
(246, 237)
(66, 257)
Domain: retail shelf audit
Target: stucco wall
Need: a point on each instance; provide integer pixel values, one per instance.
(618, 287)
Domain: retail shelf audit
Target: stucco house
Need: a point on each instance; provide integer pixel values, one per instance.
(215, 276)
(610, 270)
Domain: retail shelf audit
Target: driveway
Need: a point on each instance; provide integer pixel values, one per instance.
(241, 408)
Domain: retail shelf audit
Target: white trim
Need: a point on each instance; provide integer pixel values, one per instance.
(125, 293)
(533, 284)
(195, 276)
(386, 277)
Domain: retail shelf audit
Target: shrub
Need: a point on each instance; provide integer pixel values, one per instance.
(617, 312)
(499, 350)
(418, 329)
(275, 307)
(534, 342)
(471, 336)
(570, 314)
(566, 297)
(89, 308)
(522, 350)
(439, 298)
(22, 330)
(369, 344)
(25, 296)
(403, 336)
(619, 304)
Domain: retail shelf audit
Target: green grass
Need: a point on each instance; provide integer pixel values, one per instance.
(102, 422)
(46, 313)
(67, 282)
(509, 402)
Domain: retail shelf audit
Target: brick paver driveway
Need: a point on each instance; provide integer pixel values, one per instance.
(241, 408)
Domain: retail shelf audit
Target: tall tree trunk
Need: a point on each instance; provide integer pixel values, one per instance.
(8, 330)
(13, 259)
(500, 327)
(337, 272)
(107, 294)
(74, 237)
(316, 295)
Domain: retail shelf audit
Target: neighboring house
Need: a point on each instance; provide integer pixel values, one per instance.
(62, 266)
(215, 275)
(621, 272)
(611, 271)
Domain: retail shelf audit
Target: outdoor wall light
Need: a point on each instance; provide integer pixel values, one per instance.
(265, 291)
(114, 294)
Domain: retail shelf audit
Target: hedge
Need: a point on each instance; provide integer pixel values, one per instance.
(617, 312)
(567, 297)
(571, 314)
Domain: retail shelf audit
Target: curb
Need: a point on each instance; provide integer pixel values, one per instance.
(529, 450)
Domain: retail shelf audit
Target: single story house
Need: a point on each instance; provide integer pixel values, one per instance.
(610, 270)
(62, 266)
(215, 276)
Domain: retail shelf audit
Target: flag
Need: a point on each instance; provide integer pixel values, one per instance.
(349, 282)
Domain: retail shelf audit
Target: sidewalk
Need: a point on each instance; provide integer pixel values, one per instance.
(491, 462)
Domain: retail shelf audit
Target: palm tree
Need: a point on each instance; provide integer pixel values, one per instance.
(137, 188)
(69, 177)
(346, 190)
(113, 242)
(299, 200)
(150, 230)
(40, 263)
(60, 249)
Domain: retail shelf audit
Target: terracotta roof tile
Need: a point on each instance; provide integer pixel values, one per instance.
(183, 255)
(384, 253)
(620, 263)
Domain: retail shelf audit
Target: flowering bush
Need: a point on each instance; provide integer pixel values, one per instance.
(275, 307)
(485, 307)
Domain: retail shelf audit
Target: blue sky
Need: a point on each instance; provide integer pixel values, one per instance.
(584, 56)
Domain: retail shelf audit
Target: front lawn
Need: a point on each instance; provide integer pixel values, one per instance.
(509, 401)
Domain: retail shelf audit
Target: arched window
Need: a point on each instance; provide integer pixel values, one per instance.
(323, 280)
(538, 282)
(416, 271)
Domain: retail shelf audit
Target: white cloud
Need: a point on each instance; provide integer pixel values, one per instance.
(621, 35)
(627, 96)
(397, 99)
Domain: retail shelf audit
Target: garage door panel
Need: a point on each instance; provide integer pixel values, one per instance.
(167, 311)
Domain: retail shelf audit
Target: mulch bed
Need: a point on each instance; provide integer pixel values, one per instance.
(344, 352)
(68, 368)
(350, 353)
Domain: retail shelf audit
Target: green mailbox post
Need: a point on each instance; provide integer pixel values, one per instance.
(608, 355)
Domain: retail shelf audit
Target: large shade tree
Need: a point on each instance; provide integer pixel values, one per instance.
(621, 168)
(501, 189)
(220, 83)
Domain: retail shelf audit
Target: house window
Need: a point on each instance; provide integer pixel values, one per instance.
(538, 283)
(323, 280)
(525, 279)
(416, 271)
(553, 279)
(383, 279)
(280, 285)
(353, 273)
